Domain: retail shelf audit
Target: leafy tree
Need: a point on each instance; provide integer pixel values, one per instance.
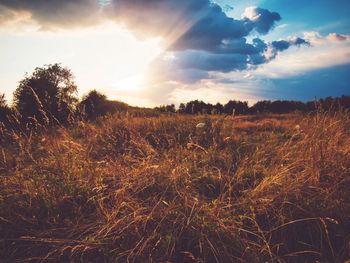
(236, 107)
(48, 95)
(261, 107)
(93, 105)
(96, 104)
(219, 108)
(166, 108)
(171, 108)
(182, 108)
(197, 107)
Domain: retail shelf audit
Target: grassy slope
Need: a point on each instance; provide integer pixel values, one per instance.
(248, 189)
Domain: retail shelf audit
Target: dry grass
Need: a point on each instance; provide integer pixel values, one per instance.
(246, 189)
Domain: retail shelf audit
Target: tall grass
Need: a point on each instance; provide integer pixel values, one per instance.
(125, 189)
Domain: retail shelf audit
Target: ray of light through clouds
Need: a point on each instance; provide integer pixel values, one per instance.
(170, 51)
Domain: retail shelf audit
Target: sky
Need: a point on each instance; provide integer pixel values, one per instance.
(154, 52)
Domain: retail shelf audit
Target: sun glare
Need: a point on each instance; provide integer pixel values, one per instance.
(124, 64)
(134, 76)
(106, 57)
(131, 83)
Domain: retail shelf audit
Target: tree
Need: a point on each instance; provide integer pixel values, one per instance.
(93, 105)
(197, 107)
(261, 107)
(166, 108)
(48, 95)
(171, 108)
(96, 104)
(236, 107)
(219, 108)
(5, 110)
(182, 108)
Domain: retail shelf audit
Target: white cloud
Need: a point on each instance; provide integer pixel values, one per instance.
(251, 13)
(324, 52)
(281, 26)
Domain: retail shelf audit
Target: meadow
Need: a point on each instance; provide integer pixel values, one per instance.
(178, 188)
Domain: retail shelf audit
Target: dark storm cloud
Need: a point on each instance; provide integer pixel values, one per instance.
(300, 41)
(6, 15)
(282, 45)
(193, 65)
(268, 51)
(199, 33)
(51, 14)
(190, 24)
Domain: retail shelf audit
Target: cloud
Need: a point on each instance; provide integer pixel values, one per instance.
(315, 38)
(189, 24)
(198, 33)
(190, 66)
(184, 24)
(336, 37)
(10, 17)
(54, 14)
(211, 61)
(282, 45)
(325, 52)
(193, 65)
(199, 36)
(262, 20)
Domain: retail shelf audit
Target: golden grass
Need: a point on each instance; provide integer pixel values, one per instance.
(272, 188)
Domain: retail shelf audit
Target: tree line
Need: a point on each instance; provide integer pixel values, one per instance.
(48, 97)
(266, 106)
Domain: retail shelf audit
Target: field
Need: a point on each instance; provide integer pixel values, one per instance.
(176, 188)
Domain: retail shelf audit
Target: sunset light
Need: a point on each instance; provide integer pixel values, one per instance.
(106, 57)
(175, 131)
(136, 50)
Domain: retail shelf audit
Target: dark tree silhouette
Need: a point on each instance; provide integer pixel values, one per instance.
(48, 95)
(182, 108)
(198, 107)
(166, 108)
(96, 104)
(93, 105)
(260, 107)
(280, 107)
(284, 106)
(265, 106)
(236, 107)
(5, 110)
(219, 108)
